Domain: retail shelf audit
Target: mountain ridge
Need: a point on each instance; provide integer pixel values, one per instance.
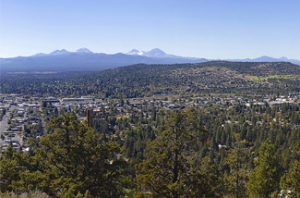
(84, 59)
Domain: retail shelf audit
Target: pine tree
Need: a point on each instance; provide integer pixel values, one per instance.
(9, 170)
(264, 180)
(78, 159)
(290, 182)
(237, 175)
(171, 168)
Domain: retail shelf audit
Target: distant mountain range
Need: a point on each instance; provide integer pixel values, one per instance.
(267, 59)
(85, 60)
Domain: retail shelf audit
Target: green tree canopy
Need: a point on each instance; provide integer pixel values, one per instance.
(172, 167)
(290, 182)
(264, 180)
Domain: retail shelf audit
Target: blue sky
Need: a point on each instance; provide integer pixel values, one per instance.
(199, 28)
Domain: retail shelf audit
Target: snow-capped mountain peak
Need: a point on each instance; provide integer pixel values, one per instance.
(83, 50)
(135, 52)
(156, 53)
(59, 52)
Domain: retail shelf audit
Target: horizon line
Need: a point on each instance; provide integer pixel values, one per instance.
(126, 53)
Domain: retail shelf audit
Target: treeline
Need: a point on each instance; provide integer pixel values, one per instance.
(164, 154)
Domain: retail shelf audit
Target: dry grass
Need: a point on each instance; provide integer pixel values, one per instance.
(34, 194)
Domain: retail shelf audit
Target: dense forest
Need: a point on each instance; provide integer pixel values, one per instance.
(216, 151)
(148, 80)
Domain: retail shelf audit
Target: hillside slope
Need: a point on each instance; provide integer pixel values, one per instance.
(147, 80)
